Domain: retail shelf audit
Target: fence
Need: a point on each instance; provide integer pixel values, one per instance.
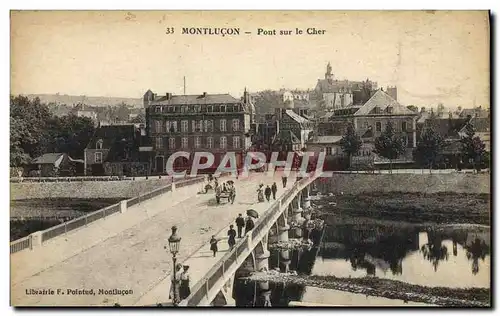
(21, 244)
(202, 288)
(63, 228)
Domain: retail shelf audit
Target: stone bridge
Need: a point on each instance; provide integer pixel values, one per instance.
(215, 287)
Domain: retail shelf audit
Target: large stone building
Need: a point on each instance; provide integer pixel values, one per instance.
(215, 123)
(336, 94)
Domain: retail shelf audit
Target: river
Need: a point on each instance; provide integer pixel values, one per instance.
(451, 257)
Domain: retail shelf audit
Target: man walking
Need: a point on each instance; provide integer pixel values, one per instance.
(274, 189)
(284, 179)
(240, 223)
(267, 193)
(231, 233)
(249, 225)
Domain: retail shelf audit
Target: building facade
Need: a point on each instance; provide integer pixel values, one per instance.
(332, 93)
(116, 150)
(215, 123)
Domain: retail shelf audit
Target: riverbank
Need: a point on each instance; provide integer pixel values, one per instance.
(449, 297)
(417, 208)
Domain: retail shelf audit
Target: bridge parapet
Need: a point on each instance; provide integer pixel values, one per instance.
(26, 243)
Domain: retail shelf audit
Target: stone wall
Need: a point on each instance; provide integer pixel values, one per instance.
(425, 183)
(85, 189)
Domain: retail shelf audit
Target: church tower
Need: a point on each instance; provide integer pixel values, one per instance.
(328, 73)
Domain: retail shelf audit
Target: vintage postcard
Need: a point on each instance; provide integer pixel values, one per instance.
(250, 158)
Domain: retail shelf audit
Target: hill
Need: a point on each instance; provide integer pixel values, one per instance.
(95, 101)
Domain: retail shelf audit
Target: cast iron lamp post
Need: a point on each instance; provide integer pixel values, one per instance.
(173, 242)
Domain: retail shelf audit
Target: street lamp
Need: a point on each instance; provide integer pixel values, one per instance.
(173, 242)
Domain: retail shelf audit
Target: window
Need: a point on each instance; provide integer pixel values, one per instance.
(98, 145)
(199, 127)
(205, 126)
(193, 126)
(158, 126)
(209, 108)
(365, 125)
(236, 125)
(405, 140)
(223, 108)
(223, 142)
(98, 157)
(210, 125)
(210, 142)
(197, 142)
(158, 109)
(167, 126)
(159, 143)
(185, 142)
(184, 126)
(171, 143)
(403, 126)
(223, 125)
(173, 127)
(236, 142)
(328, 151)
(378, 127)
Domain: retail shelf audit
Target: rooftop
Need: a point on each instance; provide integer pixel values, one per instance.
(195, 99)
(382, 103)
(325, 139)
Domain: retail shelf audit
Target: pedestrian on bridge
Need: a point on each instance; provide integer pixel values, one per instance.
(249, 225)
(232, 235)
(284, 179)
(267, 193)
(184, 290)
(274, 189)
(213, 244)
(240, 223)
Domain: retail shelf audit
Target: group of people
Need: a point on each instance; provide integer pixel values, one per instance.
(267, 192)
(180, 283)
(248, 224)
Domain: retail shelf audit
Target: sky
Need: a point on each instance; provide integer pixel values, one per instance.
(432, 57)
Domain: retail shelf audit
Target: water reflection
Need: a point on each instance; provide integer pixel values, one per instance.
(350, 250)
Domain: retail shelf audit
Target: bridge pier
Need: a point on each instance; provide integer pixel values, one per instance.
(261, 255)
(265, 294)
(297, 216)
(306, 199)
(285, 261)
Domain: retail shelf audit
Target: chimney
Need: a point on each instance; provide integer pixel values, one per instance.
(278, 114)
(204, 94)
(450, 115)
(246, 97)
(168, 95)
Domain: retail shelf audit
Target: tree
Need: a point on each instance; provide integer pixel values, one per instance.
(35, 131)
(389, 145)
(28, 120)
(473, 147)
(140, 118)
(428, 148)
(350, 142)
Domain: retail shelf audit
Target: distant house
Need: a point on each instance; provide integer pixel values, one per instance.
(53, 165)
(116, 150)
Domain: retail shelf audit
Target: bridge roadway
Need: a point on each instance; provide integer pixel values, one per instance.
(126, 251)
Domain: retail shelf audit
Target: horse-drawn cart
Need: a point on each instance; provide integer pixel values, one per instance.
(228, 195)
